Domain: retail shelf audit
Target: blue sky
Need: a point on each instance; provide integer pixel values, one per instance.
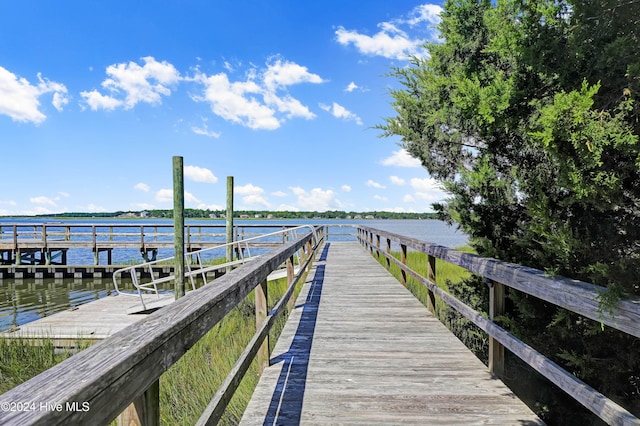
(97, 97)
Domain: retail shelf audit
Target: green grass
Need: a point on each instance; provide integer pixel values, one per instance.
(447, 274)
(25, 358)
(188, 386)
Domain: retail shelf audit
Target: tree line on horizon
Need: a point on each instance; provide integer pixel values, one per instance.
(248, 214)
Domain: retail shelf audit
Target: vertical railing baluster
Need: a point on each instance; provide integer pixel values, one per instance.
(403, 259)
(290, 276)
(262, 307)
(431, 275)
(388, 249)
(496, 308)
(94, 244)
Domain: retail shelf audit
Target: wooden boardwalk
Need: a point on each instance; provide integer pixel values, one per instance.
(360, 349)
(93, 321)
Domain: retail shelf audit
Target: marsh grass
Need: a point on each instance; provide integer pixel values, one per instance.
(188, 386)
(24, 358)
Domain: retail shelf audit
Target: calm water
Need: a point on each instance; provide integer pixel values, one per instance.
(22, 301)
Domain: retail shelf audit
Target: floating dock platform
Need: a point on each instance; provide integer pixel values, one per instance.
(90, 322)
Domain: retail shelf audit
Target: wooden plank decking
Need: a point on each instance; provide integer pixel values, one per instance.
(360, 349)
(96, 320)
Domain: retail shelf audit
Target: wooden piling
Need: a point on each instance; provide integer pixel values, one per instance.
(178, 225)
(229, 217)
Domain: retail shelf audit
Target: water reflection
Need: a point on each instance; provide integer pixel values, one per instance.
(23, 301)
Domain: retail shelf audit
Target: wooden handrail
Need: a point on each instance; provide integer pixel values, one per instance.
(577, 296)
(107, 377)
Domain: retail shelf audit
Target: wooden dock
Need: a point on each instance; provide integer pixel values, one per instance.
(360, 349)
(92, 321)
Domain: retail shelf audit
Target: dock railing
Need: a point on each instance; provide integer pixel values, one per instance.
(577, 296)
(198, 263)
(120, 375)
(48, 243)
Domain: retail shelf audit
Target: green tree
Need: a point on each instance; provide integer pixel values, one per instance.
(527, 113)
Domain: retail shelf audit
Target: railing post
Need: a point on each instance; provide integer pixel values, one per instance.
(496, 308)
(262, 307)
(144, 410)
(229, 220)
(403, 259)
(46, 254)
(388, 249)
(431, 274)
(178, 225)
(94, 242)
(290, 276)
(378, 245)
(16, 249)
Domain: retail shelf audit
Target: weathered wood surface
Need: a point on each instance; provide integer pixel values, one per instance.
(360, 349)
(112, 373)
(95, 320)
(577, 296)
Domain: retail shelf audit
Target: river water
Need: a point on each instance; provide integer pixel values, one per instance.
(26, 300)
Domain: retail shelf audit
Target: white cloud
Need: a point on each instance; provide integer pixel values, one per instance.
(231, 102)
(408, 198)
(190, 198)
(203, 206)
(166, 196)
(339, 111)
(287, 208)
(390, 42)
(289, 105)
(142, 187)
(397, 180)
(346, 188)
(351, 87)
(317, 199)
(97, 100)
(248, 189)
(146, 83)
(427, 189)
(204, 131)
(279, 194)
(395, 209)
(94, 208)
(429, 13)
(59, 100)
(375, 184)
(280, 74)
(19, 99)
(380, 198)
(42, 200)
(261, 101)
(401, 158)
(252, 200)
(426, 184)
(199, 174)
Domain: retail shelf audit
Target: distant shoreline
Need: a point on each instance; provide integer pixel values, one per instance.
(239, 214)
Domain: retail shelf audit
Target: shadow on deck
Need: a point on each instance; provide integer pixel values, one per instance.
(286, 402)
